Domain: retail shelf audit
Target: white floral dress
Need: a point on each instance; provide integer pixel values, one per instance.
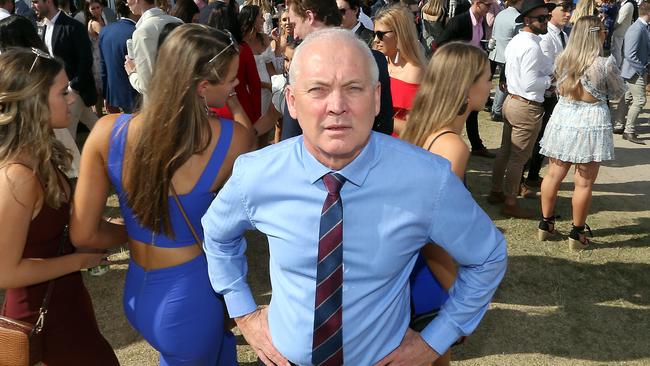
(581, 132)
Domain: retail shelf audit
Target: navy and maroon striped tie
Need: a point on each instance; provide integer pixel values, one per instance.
(327, 346)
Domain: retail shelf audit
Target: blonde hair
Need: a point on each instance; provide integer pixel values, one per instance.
(174, 118)
(434, 8)
(583, 47)
(264, 5)
(25, 118)
(583, 8)
(401, 21)
(452, 71)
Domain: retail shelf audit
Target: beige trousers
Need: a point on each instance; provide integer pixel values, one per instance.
(522, 122)
(80, 113)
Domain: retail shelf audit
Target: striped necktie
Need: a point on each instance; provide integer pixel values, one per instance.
(327, 346)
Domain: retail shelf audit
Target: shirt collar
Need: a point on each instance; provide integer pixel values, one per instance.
(643, 21)
(475, 21)
(552, 27)
(4, 11)
(355, 172)
(531, 36)
(354, 30)
(148, 14)
(50, 22)
(128, 19)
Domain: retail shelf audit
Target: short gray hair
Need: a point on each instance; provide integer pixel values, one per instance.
(339, 34)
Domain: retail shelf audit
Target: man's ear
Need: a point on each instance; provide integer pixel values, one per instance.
(377, 98)
(310, 17)
(291, 100)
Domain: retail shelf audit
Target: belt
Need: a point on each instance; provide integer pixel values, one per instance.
(527, 101)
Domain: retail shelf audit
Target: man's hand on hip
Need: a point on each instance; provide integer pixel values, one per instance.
(413, 351)
(255, 329)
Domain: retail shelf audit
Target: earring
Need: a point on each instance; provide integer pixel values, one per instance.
(396, 57)
(205, 106)
(463, 108)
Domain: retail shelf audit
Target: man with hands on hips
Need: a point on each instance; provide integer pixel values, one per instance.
(346, 212)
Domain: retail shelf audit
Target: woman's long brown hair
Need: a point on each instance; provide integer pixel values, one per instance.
(25, 129)
(174, 121)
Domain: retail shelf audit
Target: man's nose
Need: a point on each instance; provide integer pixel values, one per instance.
(337, 102)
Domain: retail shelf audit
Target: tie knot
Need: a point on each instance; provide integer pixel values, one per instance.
(333, 182)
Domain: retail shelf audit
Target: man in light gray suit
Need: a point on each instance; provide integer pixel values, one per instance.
(504, 29)
(636, 56)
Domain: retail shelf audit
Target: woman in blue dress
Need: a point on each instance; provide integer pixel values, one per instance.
(165, 163)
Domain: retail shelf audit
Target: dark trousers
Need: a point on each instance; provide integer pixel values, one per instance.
(471, 124)
(536, 160)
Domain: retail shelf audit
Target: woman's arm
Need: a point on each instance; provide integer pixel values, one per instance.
(87, 226)
(238, 113)
(21, 199)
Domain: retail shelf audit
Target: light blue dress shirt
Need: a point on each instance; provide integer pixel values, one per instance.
(397, 198)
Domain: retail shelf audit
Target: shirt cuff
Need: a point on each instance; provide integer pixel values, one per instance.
(240, 303)
(440, 334)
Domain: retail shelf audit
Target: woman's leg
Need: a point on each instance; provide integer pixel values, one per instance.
(584, 178)
(557, 170)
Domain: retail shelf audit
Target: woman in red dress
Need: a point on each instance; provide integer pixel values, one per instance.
(34, 212)
(249, 89)
(397, 38)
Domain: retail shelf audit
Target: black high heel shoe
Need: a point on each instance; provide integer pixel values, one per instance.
(578, 239)
(546, 229)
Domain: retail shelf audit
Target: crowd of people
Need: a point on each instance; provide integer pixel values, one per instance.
(332, 126)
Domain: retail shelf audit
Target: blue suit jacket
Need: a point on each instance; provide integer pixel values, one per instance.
(636, 50)
(112, 45)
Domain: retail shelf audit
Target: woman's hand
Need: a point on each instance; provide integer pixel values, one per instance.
(89, 260)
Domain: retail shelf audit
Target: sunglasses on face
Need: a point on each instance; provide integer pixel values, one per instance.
(343, 11)
(542, 18)
(380, 34)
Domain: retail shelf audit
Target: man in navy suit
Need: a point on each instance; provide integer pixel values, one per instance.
(68, 40)
(636, 57)
(118, 91)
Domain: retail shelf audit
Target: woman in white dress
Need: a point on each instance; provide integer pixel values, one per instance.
(579, 131)
(251, 22)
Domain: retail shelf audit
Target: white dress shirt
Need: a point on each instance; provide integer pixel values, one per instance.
(49, 30)
(4, 13)
(145, 46)
(528, 70)
(551, 42)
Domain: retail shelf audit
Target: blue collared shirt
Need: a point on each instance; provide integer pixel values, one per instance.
(397, 198)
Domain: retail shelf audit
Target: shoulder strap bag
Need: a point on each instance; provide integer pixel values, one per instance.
(228, 323)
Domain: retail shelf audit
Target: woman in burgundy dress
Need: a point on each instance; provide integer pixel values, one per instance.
(34, 212)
